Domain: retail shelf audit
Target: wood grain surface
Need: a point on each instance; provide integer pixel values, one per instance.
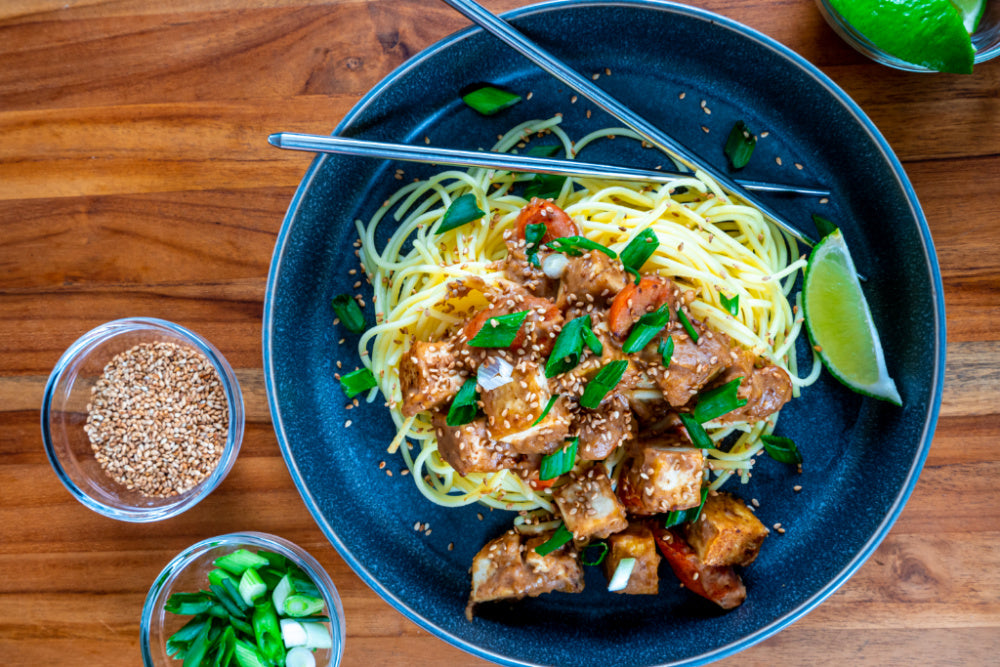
(135, 179)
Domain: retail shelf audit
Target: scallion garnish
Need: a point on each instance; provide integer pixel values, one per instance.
(544, 150)
(646, 328)
(619, 580)
(560, 461)
(545, 411)
(638, 250)
(699, 438)
(591, 339)
(732, 306)
(605, 380)
(268, 632)
(464, 407)
(355, 382)
(499, 331)
(781, 449)
(544, 186)
(689, 515)
(719, 401)
(461, 211)
(823, 226)
(349, 312)
(559, 538)
(575, 245)
(533, 235)
(666, 350)
(682, 316)
(585, 558)
(740, 145)
(568, 346)
(236, 562)
(489, 100)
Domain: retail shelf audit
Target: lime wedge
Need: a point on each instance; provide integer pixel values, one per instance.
(971, 12)
(840, 323)
(928, 33)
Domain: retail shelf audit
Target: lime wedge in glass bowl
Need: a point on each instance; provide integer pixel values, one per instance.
(840, 323)
(919, 35)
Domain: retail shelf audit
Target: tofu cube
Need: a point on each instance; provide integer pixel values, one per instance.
(509, 568)
(428, 376)
(603, 430)
(512, 409)
(589, 506)
(727, 532)
(468, 448)
(636, 542)
(662, 478)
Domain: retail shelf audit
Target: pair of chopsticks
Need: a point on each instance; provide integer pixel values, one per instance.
(549, 63)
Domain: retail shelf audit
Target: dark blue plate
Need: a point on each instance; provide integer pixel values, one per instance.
(862, 456)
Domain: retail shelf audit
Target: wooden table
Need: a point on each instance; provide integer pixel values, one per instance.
(135, 179)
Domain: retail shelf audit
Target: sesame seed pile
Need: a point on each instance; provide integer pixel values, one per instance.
(158, 419)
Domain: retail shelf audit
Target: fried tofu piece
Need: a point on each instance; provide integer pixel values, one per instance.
(662, 477)
(510, 568)
(428, 377)
(692, 365)
(727, 532)
(589, 506)
(512, 409)
(636, 542)
(603, 430)
(469, 448)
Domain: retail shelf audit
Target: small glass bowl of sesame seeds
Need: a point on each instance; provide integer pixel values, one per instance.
(142, 419)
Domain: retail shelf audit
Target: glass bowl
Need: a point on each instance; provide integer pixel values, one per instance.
(986, 39)
(64, 418)
(188, 573)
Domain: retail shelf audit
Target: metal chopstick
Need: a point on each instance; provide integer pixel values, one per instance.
(507, 34)
(507, 161)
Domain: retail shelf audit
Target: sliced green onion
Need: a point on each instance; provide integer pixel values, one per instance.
(687, 325)
(237, 561)
(349, 312)
(188, 604)
(358, 381)
(544, 186)
(299, 605)
(689, 515)
(781, 449)
(732, 306)
(559, 538)
(740, 145)
(462, 211)
(464, 407)
(230, 598)
(646, 328)
(619, 580)
(560, 461)
(300, 656)
(268, 632)
(545, 411)
(544, 150)
(281, 591)
(246, 655)
(699, 438)
(605, 380)
(489, 100)
(635, 274)
(499, 331)
(666, 350)
(533, 235)
(638, 250)
(591, 339)
(575, 245)
(307, 633)
(217, 575)
(225, 647)
(823, 226)
(199, 648)
(251, 586)
(585, 558)
(719, 401)
(190, 630)
(568, 346)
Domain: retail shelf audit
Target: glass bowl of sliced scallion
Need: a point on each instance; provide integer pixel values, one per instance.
(244, 599)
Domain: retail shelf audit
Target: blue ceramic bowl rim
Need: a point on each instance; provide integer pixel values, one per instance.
(929, 257)
(300, 556)
(234, 398)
